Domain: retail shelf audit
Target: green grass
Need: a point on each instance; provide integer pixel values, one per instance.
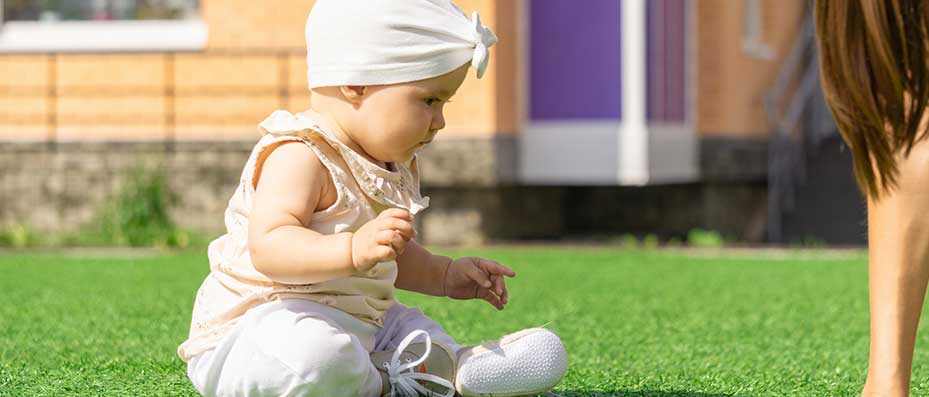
(636, 323)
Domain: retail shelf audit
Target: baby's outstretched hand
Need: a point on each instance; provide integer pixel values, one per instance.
(470, 278)
(382, 238)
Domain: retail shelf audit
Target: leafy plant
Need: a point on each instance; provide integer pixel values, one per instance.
(650, 241)
(19, 236)
(629, 241)
(137, 214)
(704, 238)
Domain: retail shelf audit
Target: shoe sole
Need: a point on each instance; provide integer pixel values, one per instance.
(534, 356)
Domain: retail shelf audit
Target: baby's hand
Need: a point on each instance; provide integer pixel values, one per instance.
(382, 238)
(469, 278)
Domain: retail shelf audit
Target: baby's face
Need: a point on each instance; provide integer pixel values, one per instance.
(399, 119)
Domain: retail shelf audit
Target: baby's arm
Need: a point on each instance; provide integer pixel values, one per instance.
(290, 188)
(462, 278)
(421, 271)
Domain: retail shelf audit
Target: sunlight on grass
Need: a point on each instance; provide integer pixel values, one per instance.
(637, 323)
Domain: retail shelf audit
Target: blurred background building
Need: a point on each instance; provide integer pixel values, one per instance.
(596, 117)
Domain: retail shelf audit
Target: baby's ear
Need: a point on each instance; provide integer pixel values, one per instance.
(353, 93)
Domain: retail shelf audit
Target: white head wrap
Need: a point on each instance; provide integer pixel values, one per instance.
(373, 42)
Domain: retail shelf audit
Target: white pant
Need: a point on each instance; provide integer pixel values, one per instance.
(301, 348)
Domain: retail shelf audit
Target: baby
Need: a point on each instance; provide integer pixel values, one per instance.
(300, 297)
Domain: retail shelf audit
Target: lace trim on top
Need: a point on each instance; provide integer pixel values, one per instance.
(398, 189)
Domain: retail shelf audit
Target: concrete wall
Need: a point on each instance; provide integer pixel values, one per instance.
(57, 187)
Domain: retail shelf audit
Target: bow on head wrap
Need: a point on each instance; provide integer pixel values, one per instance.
(372, 42)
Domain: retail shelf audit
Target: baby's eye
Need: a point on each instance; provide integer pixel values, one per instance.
(433, 100)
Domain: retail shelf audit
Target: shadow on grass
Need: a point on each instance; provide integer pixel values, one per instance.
(623, 393)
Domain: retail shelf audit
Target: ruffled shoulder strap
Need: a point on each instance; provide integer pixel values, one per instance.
(398, 189)
(282, 127)
(283, 123)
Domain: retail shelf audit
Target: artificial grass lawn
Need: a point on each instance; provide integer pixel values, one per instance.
(636, 323)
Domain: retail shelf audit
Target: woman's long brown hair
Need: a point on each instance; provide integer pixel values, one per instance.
(874, 64)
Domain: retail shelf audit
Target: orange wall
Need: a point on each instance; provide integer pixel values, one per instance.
(23, 101)
(219, 93)
(275, 24)
(731, 84)
(121, 96)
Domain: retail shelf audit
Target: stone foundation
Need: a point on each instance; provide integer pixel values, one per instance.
(475, 199)
(56, 188)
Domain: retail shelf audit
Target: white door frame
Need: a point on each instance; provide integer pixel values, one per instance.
(629, 151)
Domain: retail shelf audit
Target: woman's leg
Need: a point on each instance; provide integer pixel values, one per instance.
(898, 240)
(287, 349)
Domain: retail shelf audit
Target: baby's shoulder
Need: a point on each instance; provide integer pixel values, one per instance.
(293, 156)
(295, 169)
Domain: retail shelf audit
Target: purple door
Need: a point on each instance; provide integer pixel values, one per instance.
(574, 70)
(665, 65)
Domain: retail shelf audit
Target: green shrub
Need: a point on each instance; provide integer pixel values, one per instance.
(704, 238)
(814, 242)
(137, 214)
(650, 241)
(629, 241)
(19, 236)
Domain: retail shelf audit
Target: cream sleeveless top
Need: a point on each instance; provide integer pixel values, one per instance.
(364, 190)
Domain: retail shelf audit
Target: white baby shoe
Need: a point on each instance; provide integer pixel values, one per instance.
(417, 368)
(527, 362)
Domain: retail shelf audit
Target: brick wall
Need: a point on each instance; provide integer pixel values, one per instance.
(732, 83)
(254, 64)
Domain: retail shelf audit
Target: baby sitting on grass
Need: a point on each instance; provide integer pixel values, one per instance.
(300, 298)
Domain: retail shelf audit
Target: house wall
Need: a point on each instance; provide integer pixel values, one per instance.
(732, 83)
(254, 63)
(109, 111)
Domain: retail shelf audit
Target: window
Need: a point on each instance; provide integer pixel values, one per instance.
(98, 10)
(101, 25)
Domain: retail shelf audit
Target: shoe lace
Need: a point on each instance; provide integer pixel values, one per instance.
(404, 380)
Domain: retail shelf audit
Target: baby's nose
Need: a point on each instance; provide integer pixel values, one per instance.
(438, 123)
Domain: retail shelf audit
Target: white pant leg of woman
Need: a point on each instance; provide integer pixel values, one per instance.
(400, 320)
(290, 348)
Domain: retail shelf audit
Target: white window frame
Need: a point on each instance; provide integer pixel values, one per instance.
(102, 36)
